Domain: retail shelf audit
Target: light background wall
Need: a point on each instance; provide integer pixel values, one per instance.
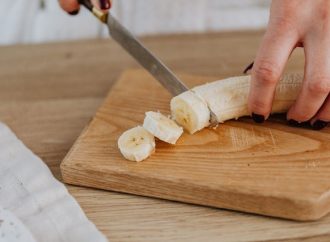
(34, 21)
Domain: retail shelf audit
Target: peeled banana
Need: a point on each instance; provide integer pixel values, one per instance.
(136, 144)
(162, 127)
(227, 99)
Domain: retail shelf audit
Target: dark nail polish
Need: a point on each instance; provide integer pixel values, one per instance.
(319, 124)
(258, 118)
(249, 67)
(75, 12)
(294, 123)
(105, 4)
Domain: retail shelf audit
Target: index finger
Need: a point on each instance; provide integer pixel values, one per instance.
(274, 51)
(73, 6)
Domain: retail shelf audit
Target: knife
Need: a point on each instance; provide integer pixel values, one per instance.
(141, 54)
(133, 46)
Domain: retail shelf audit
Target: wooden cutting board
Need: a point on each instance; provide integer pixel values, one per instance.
(270, 169)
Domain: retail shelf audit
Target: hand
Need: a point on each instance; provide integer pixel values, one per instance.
(294, 23)
(72, 6)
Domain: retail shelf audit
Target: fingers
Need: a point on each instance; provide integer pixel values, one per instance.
(322, 118)
(70, 6)
(316, 84)
(276, 47)
(105, 4)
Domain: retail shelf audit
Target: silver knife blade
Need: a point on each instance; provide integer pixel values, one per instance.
(145, 57)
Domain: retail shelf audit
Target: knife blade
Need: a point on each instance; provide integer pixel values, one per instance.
(141, 54)
(145, 57)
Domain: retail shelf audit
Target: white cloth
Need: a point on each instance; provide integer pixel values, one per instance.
(26, 21)
(12, 229)
(43, 204)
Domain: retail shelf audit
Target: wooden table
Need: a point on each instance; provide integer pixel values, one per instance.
(49, 92)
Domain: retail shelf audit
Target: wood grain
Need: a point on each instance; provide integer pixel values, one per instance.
(49, 92)
(269, 169)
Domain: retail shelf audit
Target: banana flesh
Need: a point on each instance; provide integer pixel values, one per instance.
(162, 127)
(190, 111)
(136, 144)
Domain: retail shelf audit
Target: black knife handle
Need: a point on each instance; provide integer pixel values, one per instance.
(103, 17)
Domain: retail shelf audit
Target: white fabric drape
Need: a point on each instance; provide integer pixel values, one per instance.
(43, 204)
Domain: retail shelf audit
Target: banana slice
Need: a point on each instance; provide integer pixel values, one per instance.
(136, 144)
(162, 127)
(190, 111)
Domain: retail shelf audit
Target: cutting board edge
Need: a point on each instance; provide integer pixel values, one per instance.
(313, 210)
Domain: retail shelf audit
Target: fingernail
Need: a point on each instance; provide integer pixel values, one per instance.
(293, 122)
(105, 4)
(75, 12)
(258, 118)
(249, 67)
(319, 124)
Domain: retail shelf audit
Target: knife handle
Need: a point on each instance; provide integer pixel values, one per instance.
(103, 17)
